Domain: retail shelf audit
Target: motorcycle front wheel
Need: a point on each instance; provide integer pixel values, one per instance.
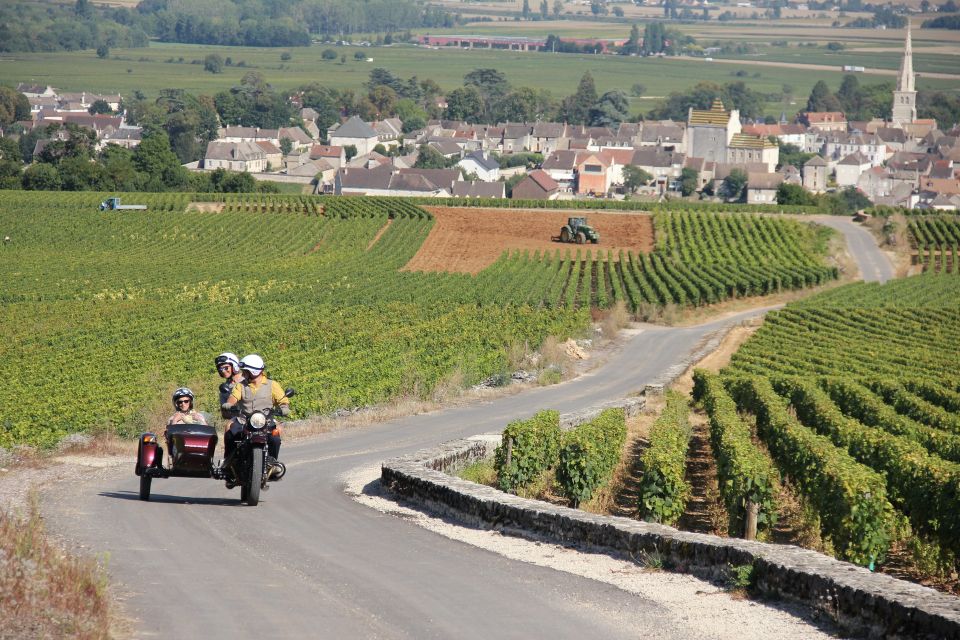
(256, 476)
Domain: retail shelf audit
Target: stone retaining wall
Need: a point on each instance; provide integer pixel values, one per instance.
(862, 602)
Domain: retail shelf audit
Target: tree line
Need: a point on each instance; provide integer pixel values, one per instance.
(26, 25)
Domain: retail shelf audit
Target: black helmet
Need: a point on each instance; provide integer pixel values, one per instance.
(182, 392)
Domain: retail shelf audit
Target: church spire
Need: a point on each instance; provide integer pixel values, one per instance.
(905, 78)
(905, 96)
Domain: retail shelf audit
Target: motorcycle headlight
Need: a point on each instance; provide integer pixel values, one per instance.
(258, 421)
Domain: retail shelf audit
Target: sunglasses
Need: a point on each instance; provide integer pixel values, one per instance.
(222, 367)
(184, 401)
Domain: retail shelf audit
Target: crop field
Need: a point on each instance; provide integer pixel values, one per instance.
(159, 66)
(935, 241)
(103, 314)
(855, 394)
(470, 240)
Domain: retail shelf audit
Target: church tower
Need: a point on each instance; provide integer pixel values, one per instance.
(905, 96)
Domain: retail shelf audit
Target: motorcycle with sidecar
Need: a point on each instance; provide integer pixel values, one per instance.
(190, 450)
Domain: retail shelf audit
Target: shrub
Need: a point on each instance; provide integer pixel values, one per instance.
(663, 490)
(745, 474)
(535, 443)
(588, 455)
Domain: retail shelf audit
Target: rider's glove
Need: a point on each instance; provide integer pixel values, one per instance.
(226, 406)
(284, 409)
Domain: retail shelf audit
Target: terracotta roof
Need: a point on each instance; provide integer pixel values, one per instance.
(325, 151)
(543, 180)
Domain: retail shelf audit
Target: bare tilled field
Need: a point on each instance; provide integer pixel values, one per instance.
(468, 240)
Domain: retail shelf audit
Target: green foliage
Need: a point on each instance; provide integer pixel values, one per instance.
(735, 95)
(794, 194)
(923, 486)
(535, 445)
(634, 177)
(329, 54)
(213, 63)
(663, 490)
(589, 454)
(822, 99)
(745, 474)
(14, 106)
(851, 498)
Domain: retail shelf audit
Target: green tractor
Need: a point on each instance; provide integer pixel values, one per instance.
(577, 230)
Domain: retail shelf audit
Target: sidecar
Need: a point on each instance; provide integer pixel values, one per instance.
(190, 448)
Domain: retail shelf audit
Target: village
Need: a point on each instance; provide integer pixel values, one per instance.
(905, 162)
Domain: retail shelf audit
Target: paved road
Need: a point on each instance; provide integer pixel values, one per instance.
(874, 264)
(311, 562)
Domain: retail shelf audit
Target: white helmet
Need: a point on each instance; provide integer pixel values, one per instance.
(228, 358)
(252, 363)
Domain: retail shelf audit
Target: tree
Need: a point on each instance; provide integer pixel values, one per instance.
(557, 8)
(466, 104)
(822, 99)
(522, 105)
(11, 174)
(513, 181)
(359, 55)
(845, 202)
(286, 56)
(637, 90)
(609, 110)
(544, 10)
(286, 146)
(411, 115)
(83, 9)
(81, 174)
(430, 158)
(733, 184)
(350, 151)
(791, 154)
(689, 181)
(103, 51)
(41, 177)
(576, 108)
(794, 194)
(99, 106)
(618, 11)
(329, 54)
(634, 177)
(14, 106)
(155, 159)
(526, 9)
(384, 99)
(213, 63)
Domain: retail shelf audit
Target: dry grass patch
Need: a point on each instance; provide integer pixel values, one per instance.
(44, 591)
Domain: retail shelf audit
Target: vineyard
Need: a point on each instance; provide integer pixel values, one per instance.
(935, 241)
(103, 313)
(855, 394)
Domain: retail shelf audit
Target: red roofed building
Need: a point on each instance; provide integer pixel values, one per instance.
(538, 185)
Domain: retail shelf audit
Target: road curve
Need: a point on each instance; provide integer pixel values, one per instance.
(874, 264)
(312, 562)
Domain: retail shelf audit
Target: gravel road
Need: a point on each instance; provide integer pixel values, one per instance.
(315, 560)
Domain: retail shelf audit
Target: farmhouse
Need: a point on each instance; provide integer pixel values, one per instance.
(235, 156)
(482, 164)
(354, 132)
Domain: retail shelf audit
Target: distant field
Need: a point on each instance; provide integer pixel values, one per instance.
(147, 70)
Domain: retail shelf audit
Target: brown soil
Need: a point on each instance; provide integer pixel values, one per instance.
(206, 207)
(467, 240)
(383, 230)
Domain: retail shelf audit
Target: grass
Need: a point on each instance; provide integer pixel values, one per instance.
(44, 592)
(148, 70)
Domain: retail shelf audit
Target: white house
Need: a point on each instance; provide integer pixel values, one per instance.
(354, 132)
(482, 164)
(235, 156)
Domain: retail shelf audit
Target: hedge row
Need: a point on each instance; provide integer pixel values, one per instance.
(850, 498)
(745, 473)
(857, 401)
(589, 454)
(535, 445)
(924, 487)
(663, 490)
(917, 408)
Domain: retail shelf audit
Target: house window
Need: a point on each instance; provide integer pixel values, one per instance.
(591, 168)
